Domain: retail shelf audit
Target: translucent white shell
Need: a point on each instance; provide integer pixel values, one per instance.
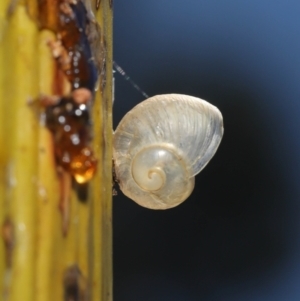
(161, 144)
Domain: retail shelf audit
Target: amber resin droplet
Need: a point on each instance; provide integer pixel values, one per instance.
(83, 166)
(70, 125)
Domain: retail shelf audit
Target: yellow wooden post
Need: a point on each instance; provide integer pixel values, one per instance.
(37, 260)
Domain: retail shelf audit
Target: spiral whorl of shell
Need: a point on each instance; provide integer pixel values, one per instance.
(161, 144)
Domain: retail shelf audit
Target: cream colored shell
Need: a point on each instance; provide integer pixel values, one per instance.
(161, 144)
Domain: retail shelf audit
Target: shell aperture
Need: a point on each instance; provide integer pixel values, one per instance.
(161, 144)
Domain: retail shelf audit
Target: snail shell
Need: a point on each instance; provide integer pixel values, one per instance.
(161, 144)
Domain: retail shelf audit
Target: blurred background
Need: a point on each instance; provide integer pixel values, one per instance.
(238, 236)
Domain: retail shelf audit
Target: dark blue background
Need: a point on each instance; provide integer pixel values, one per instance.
(237, 237)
